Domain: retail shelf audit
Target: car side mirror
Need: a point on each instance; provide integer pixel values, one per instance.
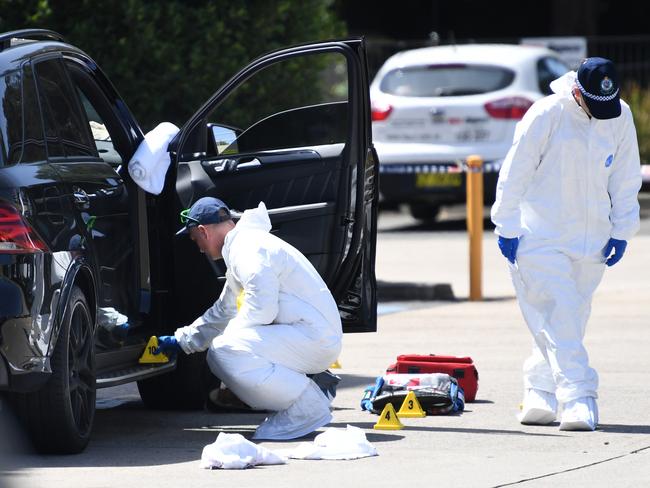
(222, 139)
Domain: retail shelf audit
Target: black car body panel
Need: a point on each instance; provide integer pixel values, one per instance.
(82, 246)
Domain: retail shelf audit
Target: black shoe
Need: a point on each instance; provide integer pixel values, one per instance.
(224, 400)
(327, 382)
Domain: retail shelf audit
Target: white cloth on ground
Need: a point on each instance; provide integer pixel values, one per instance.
(150, 162)
(348, 443)
(233, 451)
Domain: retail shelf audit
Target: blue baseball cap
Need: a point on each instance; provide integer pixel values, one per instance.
(206, 210)
(598, 82)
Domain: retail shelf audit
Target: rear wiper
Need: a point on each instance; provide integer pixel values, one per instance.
(455, 92)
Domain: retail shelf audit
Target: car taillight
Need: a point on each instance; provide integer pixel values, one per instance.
(381, 112)
(508, 108)
(16, 235)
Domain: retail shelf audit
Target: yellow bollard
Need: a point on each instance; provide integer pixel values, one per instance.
(475, 224)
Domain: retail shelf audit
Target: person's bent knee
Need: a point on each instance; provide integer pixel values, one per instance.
(221, 355)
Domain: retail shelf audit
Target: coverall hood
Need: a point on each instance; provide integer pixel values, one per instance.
(252, 219)
(564, 84)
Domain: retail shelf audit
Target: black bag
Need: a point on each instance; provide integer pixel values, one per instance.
(438, 393)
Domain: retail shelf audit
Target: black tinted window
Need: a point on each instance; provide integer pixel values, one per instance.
(21, 131)
(66, 131)
(446, 80)
(549, 69)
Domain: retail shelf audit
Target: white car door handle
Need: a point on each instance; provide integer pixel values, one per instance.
(253, 163)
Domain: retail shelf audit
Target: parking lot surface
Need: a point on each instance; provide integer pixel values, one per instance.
(483, 447)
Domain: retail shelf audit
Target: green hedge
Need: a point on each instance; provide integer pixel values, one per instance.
(638, 99)
(167, 58)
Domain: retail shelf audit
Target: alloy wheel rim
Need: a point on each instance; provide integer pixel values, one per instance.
(81, 369)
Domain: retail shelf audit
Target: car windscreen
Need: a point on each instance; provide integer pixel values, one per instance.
(446, 80)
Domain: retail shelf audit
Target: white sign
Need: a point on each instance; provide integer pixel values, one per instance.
(572, 50)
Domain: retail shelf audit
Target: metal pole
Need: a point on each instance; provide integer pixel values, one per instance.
(474, 184)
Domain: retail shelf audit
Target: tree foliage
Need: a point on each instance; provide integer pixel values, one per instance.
(639, 100)
(167, 58)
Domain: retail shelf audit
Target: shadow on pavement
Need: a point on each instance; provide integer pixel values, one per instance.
(131, 435)
(12, 442)
(369, 425)
(355, 381)
(624, 429)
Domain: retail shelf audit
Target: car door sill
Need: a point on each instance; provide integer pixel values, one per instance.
(133, 373)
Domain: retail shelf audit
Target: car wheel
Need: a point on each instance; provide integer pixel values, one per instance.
(424, 211)
(185, 388)
(59, 417)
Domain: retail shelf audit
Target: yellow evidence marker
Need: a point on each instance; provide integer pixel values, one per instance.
(148, 356)
(335, 365)
(411, 407)
(388, 419)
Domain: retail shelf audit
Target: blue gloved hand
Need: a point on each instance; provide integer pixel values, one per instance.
(508, 246)
(168, 345)
(618, 246)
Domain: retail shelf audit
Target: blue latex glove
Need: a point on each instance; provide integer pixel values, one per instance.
(370, 393)
(167, 344)
(508, 246)
(616, 245)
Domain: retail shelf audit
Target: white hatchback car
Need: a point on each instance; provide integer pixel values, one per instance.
(433, 107)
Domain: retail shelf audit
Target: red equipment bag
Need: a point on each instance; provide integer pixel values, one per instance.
(462, 369)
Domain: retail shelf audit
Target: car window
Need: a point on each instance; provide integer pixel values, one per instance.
(109, 136)
(549, 69)
(100, 133)
(299, 101)
(446, 80)
(66, 132)
(21, 131)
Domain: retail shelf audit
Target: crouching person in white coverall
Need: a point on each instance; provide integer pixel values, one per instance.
(287, 326)
(566, 206)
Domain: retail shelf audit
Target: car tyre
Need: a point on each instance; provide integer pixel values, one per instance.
(59, 417)
(185, 388)
(425, 212)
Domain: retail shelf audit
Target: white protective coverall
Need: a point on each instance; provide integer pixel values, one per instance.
(567, 185)
(288, 324)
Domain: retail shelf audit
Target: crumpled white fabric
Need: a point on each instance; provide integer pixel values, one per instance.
(150, 162)
(348, 443)
(233, 451)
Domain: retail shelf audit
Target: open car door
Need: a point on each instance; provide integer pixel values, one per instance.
(291, 130)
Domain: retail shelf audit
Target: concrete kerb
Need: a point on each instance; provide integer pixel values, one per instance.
(404, 292)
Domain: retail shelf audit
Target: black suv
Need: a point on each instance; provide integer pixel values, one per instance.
(90, 266)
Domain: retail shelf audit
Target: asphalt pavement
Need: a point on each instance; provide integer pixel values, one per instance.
(482, 447)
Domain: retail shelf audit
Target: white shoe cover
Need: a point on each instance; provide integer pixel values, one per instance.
(539, 408)
(580, 414)
(310, 411)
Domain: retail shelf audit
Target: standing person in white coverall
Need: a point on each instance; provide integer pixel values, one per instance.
(287, 326)
(566, 198)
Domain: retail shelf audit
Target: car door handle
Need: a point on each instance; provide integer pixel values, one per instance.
(252, 163)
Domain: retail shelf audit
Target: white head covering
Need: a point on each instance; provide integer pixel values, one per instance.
(564, 84)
